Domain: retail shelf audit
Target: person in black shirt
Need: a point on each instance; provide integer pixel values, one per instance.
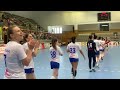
(91, 46)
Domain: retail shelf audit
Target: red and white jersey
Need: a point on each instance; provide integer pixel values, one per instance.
(73, 49)
(101, 44)
(55, 54)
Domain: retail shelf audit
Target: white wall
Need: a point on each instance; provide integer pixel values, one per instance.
(115, 26)
(67, 28)
(96, 26)
(53, 18)
(88, 27)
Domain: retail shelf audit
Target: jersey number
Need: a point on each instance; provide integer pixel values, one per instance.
(53, 54)
(90, 45)
(72, 50)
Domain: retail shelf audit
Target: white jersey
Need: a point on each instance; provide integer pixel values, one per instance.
(31, 64)
(55, 54)
(101, 44)
(97, 42)
(13, 56)
(73, 48)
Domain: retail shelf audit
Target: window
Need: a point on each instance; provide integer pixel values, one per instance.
(55, 29)
(60, 30)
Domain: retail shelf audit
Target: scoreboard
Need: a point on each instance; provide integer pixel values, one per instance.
(104, 16)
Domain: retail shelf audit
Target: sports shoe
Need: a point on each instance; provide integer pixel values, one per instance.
(90, 70)
(93, 70)
(72, 77)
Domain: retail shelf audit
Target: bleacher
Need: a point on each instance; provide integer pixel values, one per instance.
(27, 25)
(20, 21)
(84, 37)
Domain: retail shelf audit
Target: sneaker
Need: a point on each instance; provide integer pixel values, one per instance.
(97, 65)
(73, 77)
(93, 70)
(52, 77)
(90, 70)
(101, 58)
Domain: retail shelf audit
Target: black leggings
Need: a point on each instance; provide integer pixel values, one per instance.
(90, 60)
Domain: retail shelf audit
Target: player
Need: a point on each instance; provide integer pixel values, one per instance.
(29, 70)
(14, 56)
(91, 46)
(55, 53)
(73, 49)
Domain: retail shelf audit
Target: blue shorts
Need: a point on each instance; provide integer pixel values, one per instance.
(73, 59)
(97, 53)
(55, 65)
(29, 70)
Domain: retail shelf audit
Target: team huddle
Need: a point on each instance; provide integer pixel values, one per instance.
(19, 58)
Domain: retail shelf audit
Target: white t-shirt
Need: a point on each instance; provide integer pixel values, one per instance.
(74, 49)
(55, 54)
(97, 42)
(31, 64)
(101, 44)
(13, 56)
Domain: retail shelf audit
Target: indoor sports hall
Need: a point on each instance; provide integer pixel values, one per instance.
(64, 25)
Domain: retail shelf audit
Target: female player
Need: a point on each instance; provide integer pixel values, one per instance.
(72, 48)
(29, 70)
(55, 52)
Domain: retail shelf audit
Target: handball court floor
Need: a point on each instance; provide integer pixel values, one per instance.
(109, 67)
